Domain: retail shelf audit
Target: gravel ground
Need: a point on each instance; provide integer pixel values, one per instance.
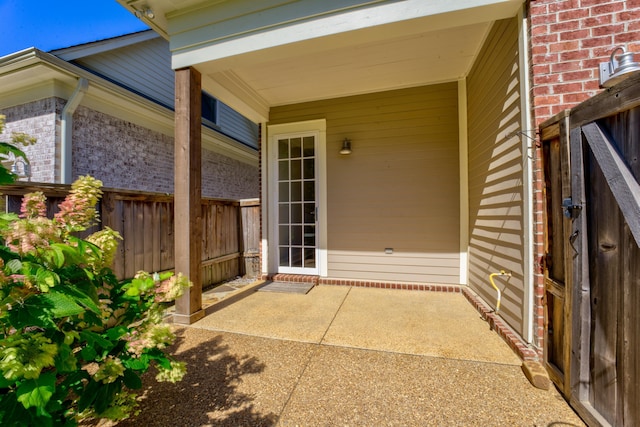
(239, 380)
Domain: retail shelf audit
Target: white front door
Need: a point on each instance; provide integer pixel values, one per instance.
(297, 208)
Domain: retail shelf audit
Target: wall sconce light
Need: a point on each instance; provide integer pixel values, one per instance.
(146, 12)
(346, 146)
(615, 71)
(26, 169)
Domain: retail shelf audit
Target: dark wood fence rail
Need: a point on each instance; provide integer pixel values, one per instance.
(230, 238)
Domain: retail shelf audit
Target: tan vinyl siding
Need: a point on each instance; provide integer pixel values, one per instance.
(496, 193)
(398, 189)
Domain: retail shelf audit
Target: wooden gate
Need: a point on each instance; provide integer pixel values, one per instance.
(592, 168)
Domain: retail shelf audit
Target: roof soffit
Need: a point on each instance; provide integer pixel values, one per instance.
(254, 54)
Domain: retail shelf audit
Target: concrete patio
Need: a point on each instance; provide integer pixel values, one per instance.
(348, 356)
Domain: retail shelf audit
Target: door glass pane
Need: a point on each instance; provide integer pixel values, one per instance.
(309, 213)
(308, 168)
(310, 235)
(309, 191)
(284, 234)
(284, 256)
(296, 213)
(283, 214)
(296, 191)
(296, 169)
(283, 149)
(296, 257)
(283, 192)
(309, 258)
(296, 235)
(283, 170)
(296, 148)
(309, 146)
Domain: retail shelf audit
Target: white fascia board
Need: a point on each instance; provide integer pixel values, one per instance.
(195, 46)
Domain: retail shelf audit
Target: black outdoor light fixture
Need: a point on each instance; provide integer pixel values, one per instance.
(346, 146)
(616, 70)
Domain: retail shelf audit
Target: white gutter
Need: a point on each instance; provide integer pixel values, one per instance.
(67, 129)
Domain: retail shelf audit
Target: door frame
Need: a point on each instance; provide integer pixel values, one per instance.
(270, 214)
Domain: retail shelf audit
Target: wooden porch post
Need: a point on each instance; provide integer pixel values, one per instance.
(188, 192)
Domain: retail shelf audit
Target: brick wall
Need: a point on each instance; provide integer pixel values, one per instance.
(569, 39)
(128, 156)
(119, 153)
(39, 119)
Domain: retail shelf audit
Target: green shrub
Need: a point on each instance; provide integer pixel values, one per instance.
(73, 339)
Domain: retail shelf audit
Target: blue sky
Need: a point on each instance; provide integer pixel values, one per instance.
(53, 24)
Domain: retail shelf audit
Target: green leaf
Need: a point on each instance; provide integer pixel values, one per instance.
(31, 313)
(79, 297)
(14, 266)
(7, 148)
(137, 364)
(105, 395)
(93, 338)
(132, 380)
(65, 359)
(116, 332)
(37, 392)
(88, 353)
(5, 383)
(6, 177)
(46, 279)
(59, 304)
(71, 254)
(88, 396)
(54, 255)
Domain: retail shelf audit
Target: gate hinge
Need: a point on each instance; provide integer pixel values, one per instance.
(570, 210)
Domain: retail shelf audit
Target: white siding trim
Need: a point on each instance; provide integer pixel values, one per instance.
(528, 150)
(264, 196)
(463, 147)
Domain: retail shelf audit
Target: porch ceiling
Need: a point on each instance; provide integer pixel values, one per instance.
(349, 64)
(278, 55)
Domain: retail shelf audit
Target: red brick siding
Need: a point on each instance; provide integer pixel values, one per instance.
(569, 38)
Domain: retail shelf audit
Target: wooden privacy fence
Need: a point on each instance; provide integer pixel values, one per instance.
(592, 265)
(230, 238)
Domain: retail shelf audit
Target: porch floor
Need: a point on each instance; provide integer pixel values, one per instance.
(343, 355)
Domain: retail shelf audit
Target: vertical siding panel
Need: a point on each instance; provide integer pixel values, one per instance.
(496, 172)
